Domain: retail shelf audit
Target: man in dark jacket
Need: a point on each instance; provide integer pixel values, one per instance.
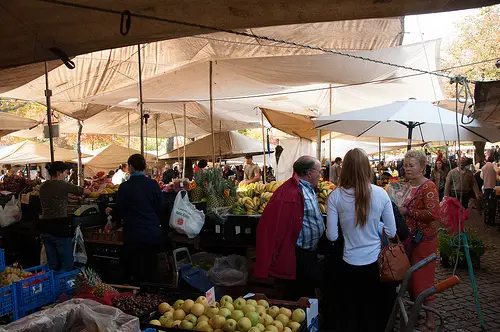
(140, 206)
(289, 231)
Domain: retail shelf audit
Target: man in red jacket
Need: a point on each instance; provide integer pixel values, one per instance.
(289, 231)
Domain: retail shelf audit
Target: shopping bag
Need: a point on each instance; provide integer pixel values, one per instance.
(11, 212)
(79, 252)
(398, 192)
(185, 218)
(43, 256)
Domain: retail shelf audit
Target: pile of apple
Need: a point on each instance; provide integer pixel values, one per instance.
(241, 315)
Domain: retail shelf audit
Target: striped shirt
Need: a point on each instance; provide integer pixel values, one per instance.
(313, 225)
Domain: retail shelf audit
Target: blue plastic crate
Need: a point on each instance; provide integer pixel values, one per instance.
(65, 284)
(7, 300)
(35, 291)
(2, 260)
(149, 329)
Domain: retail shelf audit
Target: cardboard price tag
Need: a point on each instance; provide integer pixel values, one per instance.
(210, 295)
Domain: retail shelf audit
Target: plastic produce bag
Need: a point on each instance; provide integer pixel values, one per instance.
(229, 271)
(43, 256)
(76, 315)
(398, 192)
(449, 214)
(185, 218)
(79, 252)
(11, 212)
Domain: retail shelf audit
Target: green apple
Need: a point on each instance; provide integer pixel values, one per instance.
(226, 299)
(248, 308)
(203, 300)
(268, 320)
(169, 315)
(191, 318)
(203, 318)
(237, 315)
(253, 316)
(262, 317)
(254, 329)
(201, 325)
(287, 312)
(263, 303)
(230, 325)
(211, 311)
(197, 309)
(273, 311)
(287, 329)
(244, 324)
(179, 315)
(163, 307)
(188, 304)
(260, 309)
(294, 326)
(272, 328)
(169, 323)
(239, 303)
(178, 304)
(225, 312)
(217, 321)
(155, 322)
(279, 325)
(186, 325)
(283, 319)
(298, 315)
(261, 327)
(252, 302)
(228, 305)
(163, 320)
(176, 323)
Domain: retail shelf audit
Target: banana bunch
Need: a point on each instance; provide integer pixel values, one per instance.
(260, 188)
(238, 209)
(325, 189)
(251, 205)
(248, 192)
(265, 197)
(325, 185)
(272, 186)
(262, 207)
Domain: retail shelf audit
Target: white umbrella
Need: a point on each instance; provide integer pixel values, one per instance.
(409, 119)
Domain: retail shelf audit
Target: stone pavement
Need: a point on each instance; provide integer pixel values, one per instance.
(457, 305)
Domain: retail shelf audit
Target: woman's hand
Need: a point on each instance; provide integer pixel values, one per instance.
(403, 210)
(108, 211)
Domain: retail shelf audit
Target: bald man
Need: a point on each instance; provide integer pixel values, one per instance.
(289, 231)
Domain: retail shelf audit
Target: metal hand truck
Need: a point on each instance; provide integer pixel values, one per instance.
(408, 321)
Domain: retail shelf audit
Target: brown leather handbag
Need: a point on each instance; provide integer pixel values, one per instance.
(393, 262)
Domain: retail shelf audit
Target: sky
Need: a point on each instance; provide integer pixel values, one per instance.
(433, 26)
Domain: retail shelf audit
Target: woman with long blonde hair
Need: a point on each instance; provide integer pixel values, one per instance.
(358, 206)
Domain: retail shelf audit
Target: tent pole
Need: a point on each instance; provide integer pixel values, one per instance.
(318, 146)
(128, 128)
(410, 135)
(330, 135)
(212, 112)
(79, 152)
(156, 134)
(141, 106)
(48, 94)
(177, 140)
(220, 147)
(263, 146)
(184, 143)
(379, 151)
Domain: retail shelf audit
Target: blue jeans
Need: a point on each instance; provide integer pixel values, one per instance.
(59, 252)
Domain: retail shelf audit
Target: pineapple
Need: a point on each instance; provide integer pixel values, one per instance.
(88, 279)
(215, 188)
(198, 192)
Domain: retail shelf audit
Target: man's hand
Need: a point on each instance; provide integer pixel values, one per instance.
(108, 211)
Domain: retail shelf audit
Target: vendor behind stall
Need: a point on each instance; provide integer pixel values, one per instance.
(55, 225)
(251, 171)
(139, 204)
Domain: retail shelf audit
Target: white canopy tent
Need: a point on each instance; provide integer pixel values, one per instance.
(28, 152)
(10, 123)
(227, 145)
(408, 119)
(108, 158)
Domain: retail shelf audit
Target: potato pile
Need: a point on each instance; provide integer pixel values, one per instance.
(228, 316)
(13, 274)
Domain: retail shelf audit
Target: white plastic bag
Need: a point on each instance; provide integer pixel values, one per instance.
(43, 256)
(11, 212)
(79, 252)
(185, 218)
(398, 192)
(229, 271)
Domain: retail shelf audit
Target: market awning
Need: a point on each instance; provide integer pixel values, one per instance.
(227, 145)
(109, 158)
(10, 123)
(31, 28)
(487, 102)
(28, 152)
